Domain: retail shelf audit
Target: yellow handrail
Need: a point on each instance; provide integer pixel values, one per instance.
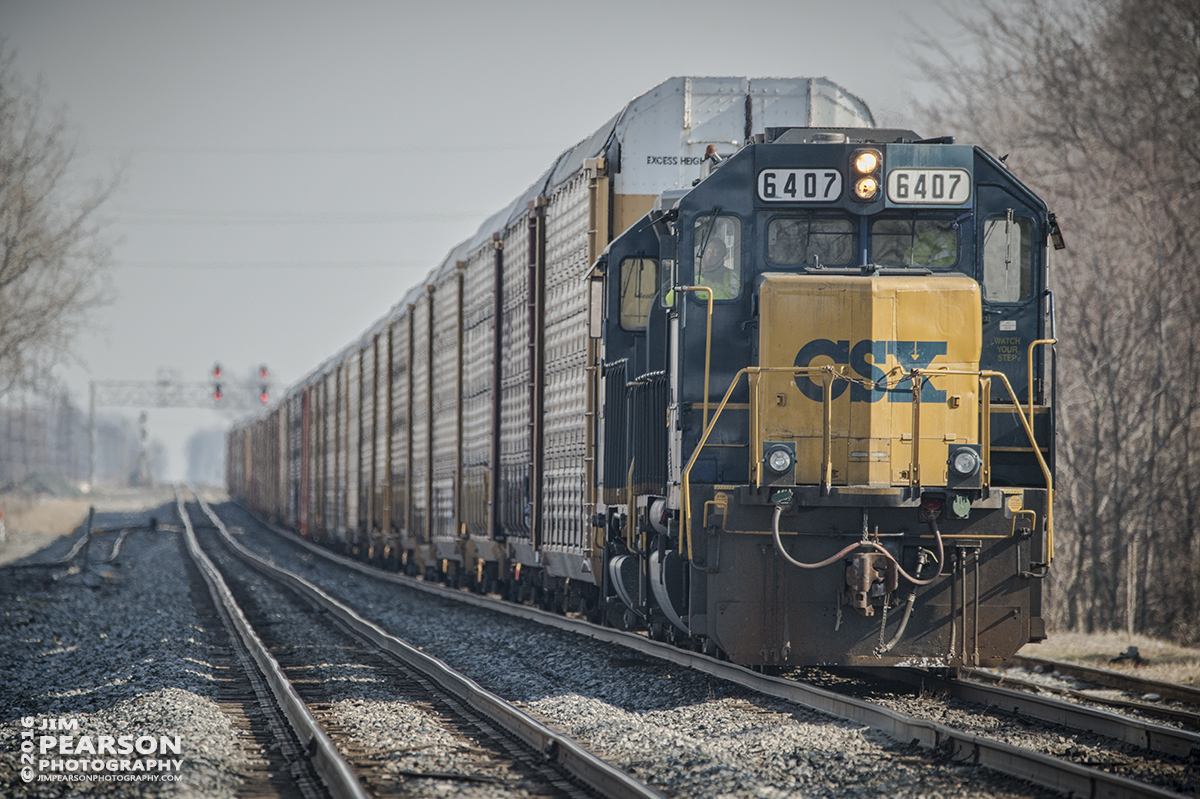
(685, 498)
(1028, 425)
(832, 374)
(985, 428)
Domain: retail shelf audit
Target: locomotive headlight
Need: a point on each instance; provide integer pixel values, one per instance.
(866, 188)
(779, 459)
(965, 462)
(866, 162)
(866, 167)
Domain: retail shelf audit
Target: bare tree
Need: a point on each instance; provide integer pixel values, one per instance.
(53, 255)
(1098, 101)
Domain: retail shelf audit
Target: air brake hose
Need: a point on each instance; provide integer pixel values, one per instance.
(793, 561)
(908, 606)
(833, 558)
(941, 553)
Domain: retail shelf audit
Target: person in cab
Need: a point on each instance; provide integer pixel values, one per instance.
(716, 272)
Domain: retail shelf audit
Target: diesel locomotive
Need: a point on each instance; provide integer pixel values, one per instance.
(741, 369)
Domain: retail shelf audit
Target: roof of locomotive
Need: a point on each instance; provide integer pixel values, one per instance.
(825, 104)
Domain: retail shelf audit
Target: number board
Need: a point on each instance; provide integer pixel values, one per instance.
(929, 186)
(799, 185)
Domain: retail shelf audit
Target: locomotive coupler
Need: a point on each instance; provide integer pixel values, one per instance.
(870, 578)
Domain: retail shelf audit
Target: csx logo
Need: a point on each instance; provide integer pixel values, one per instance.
(867, 359)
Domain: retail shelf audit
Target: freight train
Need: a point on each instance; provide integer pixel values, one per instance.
(741, 370)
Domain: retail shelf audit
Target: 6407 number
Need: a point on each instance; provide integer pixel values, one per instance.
(929, 186)
(799, 185)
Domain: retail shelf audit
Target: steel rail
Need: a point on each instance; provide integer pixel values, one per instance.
(1187, 718)
(336, 773)
(599, 775)
(1114, 679)
(1044, 770)
(1145, 735)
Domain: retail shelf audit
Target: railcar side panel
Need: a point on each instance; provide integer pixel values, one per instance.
(516, 339)
(295, 460)
(331, 437)
(421, 421)
(445, 364)
(379, 436)
(478, 332)
(401, 428)
(354, 447)
(566, 338)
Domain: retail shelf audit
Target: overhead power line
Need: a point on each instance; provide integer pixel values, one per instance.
(200, 265)
(400, 149)
(218, 218)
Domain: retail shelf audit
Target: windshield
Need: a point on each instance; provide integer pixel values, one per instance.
(914, 241)
(810, 240)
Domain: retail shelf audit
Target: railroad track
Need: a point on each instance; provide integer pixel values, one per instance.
(1094, 776)
(1133, 684)
(314, 767)
(1153, 754)
(1179, 716)
(540, 761)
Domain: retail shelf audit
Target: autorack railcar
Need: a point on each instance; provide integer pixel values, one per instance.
(741, 369)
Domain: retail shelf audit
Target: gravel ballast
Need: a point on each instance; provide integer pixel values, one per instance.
(683, 732)
(120, 649)
(383, 723)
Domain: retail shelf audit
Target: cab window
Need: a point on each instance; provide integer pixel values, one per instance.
(815, 241)
(914, 242)
(717, 253)
(1007, 259)
(639, 282)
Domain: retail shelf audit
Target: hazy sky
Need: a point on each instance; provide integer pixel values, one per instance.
(291, 168)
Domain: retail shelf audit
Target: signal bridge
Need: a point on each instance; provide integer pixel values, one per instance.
(168, 391)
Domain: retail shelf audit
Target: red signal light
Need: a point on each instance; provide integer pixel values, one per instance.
(217, 394)
(216, 371)
(262, 372)
(263, 397)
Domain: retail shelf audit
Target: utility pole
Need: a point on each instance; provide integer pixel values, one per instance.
(92, 423)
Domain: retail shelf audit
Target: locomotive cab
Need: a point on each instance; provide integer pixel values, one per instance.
(826, 415)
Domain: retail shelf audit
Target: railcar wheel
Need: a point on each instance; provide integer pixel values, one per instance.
(630, 620)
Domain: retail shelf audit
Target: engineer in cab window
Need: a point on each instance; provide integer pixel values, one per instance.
(716, 273)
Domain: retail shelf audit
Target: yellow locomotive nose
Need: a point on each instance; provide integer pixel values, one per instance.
(871, 332)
